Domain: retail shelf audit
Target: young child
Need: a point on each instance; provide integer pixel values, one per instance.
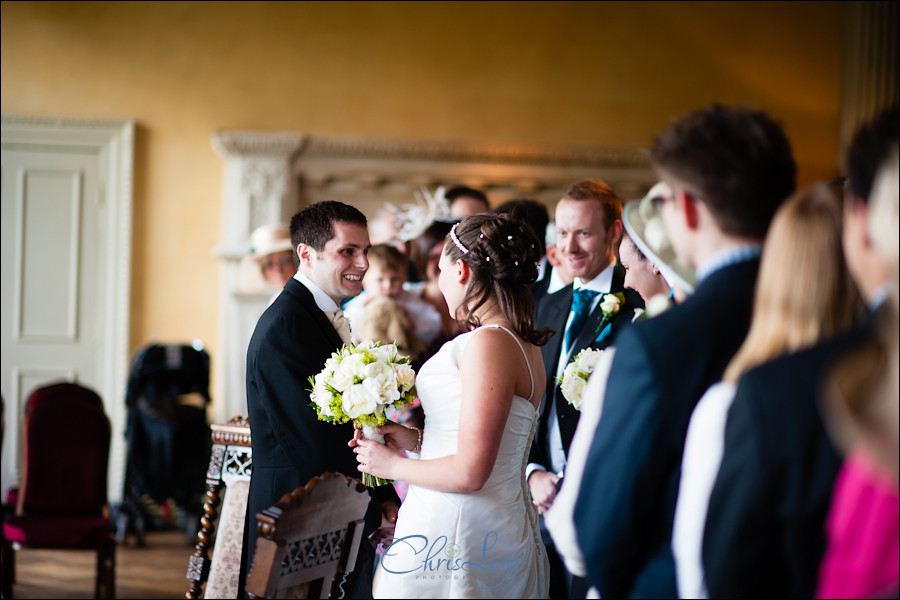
(387, 312)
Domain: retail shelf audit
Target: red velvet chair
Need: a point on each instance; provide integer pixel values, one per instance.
(62, 501)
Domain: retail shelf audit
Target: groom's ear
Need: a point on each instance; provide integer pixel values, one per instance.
(305, 253)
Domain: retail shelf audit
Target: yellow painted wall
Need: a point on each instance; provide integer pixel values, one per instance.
(597, 73)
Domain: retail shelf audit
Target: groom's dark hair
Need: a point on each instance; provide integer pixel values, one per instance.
(313, 225)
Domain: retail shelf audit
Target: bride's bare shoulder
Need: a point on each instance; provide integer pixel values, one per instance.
(496, 347)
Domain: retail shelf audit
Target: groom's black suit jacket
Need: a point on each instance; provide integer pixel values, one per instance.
(552, 310)
(292, 341)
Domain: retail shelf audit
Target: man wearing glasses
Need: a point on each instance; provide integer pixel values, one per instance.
(727, 170)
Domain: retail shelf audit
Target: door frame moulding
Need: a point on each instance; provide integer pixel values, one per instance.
(113, 141)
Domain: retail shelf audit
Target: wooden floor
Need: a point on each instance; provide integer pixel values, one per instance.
(154, 571)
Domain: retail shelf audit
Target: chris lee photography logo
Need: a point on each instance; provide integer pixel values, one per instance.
(486, 567)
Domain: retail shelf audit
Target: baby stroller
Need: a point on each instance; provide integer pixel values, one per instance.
(168, 440)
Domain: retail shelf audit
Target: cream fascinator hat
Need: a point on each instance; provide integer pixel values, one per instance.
(270, 239)
(644, 225)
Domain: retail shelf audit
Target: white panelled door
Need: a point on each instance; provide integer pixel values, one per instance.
(66, 228)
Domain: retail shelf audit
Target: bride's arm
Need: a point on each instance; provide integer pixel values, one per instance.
(488, 367)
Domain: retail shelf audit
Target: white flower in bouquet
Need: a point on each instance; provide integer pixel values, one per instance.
(341, 378)
(380, 371)
(358, 383)
(354, 365)
(406, 376)
(360, 399)
(322, 398)
(576, 374)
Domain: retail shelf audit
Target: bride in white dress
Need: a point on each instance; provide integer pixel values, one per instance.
(467, 528)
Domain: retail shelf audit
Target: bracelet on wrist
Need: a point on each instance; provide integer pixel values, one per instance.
(418, 447)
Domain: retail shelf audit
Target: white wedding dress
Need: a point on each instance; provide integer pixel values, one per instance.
(483, 544)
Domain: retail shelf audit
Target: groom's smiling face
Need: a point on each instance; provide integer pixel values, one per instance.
(339, 267)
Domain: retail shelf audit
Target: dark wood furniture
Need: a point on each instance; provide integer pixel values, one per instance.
(228, 486)
(308, 539)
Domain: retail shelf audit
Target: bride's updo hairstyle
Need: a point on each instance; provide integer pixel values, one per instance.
(502, 254)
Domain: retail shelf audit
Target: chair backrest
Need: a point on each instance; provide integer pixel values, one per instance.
(309, 537)
(225, 511)
(66, 437)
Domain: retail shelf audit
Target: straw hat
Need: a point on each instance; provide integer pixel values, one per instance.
(270, 239)
(644, 225)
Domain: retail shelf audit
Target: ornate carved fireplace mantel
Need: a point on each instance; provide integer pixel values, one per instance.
(270, 176)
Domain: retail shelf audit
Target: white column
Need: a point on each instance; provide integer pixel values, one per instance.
(258, 189)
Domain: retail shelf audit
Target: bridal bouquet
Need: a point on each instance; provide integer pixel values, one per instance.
(357, 383)
(576, 374)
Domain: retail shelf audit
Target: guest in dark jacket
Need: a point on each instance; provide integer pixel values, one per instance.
(799, 304)
(728, 169)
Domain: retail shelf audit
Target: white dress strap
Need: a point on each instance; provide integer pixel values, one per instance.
(524, 355)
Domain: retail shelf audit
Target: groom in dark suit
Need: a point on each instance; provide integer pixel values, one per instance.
(293, 339)
(584, 314)
(727, 170)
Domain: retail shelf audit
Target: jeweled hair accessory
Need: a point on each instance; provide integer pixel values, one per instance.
(414, 219)
(456, 241)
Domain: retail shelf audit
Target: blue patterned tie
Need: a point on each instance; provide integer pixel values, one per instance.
(581, 308)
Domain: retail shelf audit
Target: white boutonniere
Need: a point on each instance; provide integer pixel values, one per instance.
(611, 303)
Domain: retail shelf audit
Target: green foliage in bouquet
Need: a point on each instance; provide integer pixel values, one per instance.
(356, 385)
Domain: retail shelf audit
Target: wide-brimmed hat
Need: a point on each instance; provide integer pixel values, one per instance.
(644, 225)
(270, 239)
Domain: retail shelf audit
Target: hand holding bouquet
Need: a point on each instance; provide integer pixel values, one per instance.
(576, 374)
(357, 383)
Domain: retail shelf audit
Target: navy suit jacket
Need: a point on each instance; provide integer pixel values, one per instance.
(765, 534)
(662, 367)
(292, 340)
(552, 311)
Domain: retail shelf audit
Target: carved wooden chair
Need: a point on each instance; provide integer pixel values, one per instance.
(62, 501)
(309, 539)
(228, 485)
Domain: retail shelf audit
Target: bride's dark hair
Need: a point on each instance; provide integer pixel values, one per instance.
(502, 255)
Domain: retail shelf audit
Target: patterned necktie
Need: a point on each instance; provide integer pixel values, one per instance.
(581, 308)
(341, 324)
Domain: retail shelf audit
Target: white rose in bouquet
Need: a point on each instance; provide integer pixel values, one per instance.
(359, 399)
(322, 398)
(386, 388)
(378, 370)
(341, 378)
(354, 365)
(406, 376)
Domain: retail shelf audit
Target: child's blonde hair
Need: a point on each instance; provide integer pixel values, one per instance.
(387, 258)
